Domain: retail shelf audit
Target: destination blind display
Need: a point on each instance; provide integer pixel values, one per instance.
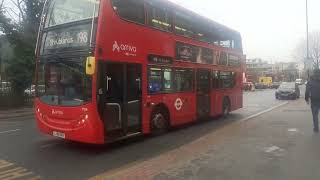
(155, 59)
(66, 38)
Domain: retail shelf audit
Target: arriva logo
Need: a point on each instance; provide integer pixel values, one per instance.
(57, 112)
(116, 46)
(123, 47)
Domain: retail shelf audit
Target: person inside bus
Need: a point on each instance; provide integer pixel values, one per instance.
(69, 84)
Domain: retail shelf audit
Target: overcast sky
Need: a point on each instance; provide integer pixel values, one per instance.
(270, 29)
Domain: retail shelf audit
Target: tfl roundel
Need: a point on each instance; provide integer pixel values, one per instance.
(178, 104)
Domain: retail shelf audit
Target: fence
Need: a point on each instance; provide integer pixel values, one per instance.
(8, 99)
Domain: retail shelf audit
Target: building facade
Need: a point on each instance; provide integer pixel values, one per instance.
(280, 71)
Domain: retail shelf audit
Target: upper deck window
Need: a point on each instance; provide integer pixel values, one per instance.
(132, 10)
(66, 11)
(223, 59)
(159, 16)
(183, 25)
(234, 60)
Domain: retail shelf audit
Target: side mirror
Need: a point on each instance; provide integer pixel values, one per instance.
(90, 65)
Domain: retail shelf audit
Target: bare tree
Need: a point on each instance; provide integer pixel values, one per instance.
(19, 5)
(314, 49)
(14, 9)
(1, 4)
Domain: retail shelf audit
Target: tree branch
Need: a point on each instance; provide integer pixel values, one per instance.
(18, 4)
(1, 4)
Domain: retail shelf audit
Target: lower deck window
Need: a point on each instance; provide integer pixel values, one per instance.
(160, 80)
(169, 80)
(228, 79)
(184, 80)
(155, 80)
(223, 80)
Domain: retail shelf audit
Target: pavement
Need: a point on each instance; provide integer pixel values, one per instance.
(267, 139)
(278, 145)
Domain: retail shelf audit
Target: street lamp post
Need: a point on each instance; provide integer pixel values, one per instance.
(307, 28)
(307, 31)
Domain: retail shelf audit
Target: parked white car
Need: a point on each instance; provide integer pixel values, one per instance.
(31, 91)
(299, 81)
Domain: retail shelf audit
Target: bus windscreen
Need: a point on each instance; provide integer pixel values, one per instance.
(67, 11)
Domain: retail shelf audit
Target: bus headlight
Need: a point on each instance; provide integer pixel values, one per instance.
(83, 119)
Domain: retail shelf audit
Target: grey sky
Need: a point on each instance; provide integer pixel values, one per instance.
(270, 29)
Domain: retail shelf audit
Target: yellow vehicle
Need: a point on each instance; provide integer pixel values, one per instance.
(267, 81)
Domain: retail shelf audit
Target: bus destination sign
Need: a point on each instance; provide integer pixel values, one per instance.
(155, 59)
(72, 37)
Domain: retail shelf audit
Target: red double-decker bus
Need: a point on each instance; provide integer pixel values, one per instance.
(113, 69)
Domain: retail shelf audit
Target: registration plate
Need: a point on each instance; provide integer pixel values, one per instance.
(59, 134)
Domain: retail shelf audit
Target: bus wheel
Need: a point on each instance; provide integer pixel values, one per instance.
(226, 108)
(159, 122)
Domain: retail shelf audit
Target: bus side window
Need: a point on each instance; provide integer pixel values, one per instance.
(183, 24)
(160, 80)
(184, 80)
(215, 80)
(223, 58)
(132, 10)
(167, 80)
(155, 80)
(159, 17)
(228, 79)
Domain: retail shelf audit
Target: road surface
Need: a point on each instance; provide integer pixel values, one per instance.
(27, 154)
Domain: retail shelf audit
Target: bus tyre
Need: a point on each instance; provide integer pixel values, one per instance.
(159, 122)
(225, 108)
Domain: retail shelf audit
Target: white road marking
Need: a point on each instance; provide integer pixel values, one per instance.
(10, 131)
(272, 149)
(263, 112)
(48, 145)
(293, 130)
(10, 171)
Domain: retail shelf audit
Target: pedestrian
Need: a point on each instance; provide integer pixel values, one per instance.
(313, 93)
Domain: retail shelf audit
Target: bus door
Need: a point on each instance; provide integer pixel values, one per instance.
(203, 93)
(122, 111)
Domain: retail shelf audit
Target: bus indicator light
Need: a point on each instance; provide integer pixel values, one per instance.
(90, 65)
